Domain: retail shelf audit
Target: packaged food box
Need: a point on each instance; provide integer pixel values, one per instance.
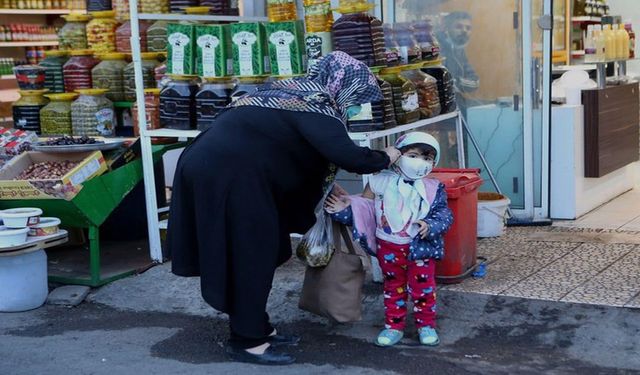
(181, 48)
(89, 165)
(286, 47)
(249, 49)
(211, 55)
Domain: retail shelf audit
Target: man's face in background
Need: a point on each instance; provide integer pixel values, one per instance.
(460, 32)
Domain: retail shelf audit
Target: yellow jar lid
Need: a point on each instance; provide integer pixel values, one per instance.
(103, 14)
(182, 77)
(154, 91)
(197, 10)
(76, 17)
(111, 56)
(33, 92)
(81, 52)
(56, 52)
(416, 66)
(91, 92)
(149, 55)
(355, 8)
(216, 79)
(391, 70)
(62, 97)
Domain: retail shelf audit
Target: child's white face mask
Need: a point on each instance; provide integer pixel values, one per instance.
(414, 168)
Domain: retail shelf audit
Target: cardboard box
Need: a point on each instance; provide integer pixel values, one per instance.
(92, 164)
(211, 46)
(181, 48)
(249, 46)
(286, 47)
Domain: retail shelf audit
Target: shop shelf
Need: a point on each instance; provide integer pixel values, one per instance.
(586, 19)
(577, 53)
(171, 133)
(402, 128)
(37, 11)
(44, 43)
(195, 18)
(7, 76)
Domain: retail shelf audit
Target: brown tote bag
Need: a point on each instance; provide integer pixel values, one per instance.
(335, 290)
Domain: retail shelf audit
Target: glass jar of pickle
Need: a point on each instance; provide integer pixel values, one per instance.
(55, 117)
(101, 31)
(405, 96)
(157, 37)
(109, 75)
(77, 70)
(73, 35)
(427, 89)
(214, 95)
(123, 36)
(53, 75)
(92, 114)
(282, 10)
(154, 6)
(247, 85)
(177, 102)
(26, 110)
(149, 63)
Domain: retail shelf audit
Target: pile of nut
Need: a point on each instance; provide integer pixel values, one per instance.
(69, 141)
(47, 170)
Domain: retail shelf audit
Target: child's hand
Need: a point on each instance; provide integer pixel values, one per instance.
(336, 203)
(423, 229)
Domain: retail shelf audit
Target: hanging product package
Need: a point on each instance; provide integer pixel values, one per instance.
(316, 246)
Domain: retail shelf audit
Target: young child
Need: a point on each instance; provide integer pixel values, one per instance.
(411, 218)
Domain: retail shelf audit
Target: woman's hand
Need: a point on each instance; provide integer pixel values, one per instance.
(423, 229)
(394, 154)
(336, 203)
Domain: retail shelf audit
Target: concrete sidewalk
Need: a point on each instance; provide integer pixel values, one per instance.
(156, 323)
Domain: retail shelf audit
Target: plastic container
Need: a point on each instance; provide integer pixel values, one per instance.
(26, 272)
(55, 117)
(26, 110)
(12, 237)
(460, 241)
(98, 5)
(446, 89)
(154, 6)
(73, 35)
(214, 95)
(427, 89)
(177, 103)
(391, 47)
(149, 63)
(30, 77)
(101, 32)
(217, 6)
(92, 114)
(246, 85)
(424, 35)
(121, 9)
(389, 119)
(53, 75)
(492, 214)
(20, 217)
(405, 96)
(152, 111)
(77, 70)
(47, 227)
(410, 51)
(318, 16)
(123, 36)
(282, 10)
(179, 6)
(109, 75)
(157, 37)
(359, 34)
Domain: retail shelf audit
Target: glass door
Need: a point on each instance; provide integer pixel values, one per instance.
(499, 56)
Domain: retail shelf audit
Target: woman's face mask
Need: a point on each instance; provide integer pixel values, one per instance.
(414, 168)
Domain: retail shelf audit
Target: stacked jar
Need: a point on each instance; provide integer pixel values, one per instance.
(427, 89)
(55, 117)
(217, 6)
(98, 5)
(26, 110)
(405, 96)
(109, 75)
(358, 33)
(389, 119)
(101, 31)
(214, 95)
(92, 114)
(177, 103)
(121, 9)
(281, 10)
(149, 63)
(77, 70)
(157, 37)
(54, 77)
(151, 109)
(73, 35)
(123, 36)
(446, 87)
(423, 32)
(154, 6)
(179, 6)
(410, 50)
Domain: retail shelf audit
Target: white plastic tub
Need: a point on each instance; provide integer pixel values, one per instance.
(24, 281)
(492, 214)
(12, 237)
(46, 227)
(20, 217)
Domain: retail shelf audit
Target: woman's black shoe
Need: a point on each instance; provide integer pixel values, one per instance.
(269, 357)
(282, 340)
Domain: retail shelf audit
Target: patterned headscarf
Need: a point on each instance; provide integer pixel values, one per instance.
(336, 82)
